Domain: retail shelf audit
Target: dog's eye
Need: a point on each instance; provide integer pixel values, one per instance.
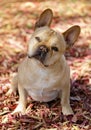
(38, 39)
(54, 48)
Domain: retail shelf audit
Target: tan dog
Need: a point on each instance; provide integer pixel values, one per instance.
(44, 74)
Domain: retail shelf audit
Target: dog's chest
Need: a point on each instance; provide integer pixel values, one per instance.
(44, 88)
(42, 84)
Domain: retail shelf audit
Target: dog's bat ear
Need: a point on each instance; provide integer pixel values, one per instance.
(44, 19)
(71, 35)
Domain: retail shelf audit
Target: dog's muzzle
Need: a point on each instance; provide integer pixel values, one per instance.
(40, 53)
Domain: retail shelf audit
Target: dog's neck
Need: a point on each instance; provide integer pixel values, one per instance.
(53, 66)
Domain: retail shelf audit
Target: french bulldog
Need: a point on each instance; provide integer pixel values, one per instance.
(44, 74)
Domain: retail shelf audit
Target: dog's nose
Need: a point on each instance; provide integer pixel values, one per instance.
(43, 48)
(40, 53)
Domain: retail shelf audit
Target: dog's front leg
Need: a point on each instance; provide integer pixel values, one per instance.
(65, 101)
(22, 101)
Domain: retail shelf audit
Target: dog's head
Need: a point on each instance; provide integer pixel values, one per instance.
(45, 44)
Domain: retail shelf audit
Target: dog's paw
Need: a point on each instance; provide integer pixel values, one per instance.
(10, 92)
(19, 109)
(67, 110)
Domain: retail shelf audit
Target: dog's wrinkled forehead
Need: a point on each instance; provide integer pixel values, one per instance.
(45, 34)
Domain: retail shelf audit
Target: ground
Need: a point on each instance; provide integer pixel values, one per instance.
(17, 20)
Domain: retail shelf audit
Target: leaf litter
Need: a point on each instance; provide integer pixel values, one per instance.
(16, 25)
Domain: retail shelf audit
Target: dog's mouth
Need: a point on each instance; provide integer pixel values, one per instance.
(41, 57)
(40, 54)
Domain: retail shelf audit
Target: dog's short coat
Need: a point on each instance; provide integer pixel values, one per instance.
(44, 74)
